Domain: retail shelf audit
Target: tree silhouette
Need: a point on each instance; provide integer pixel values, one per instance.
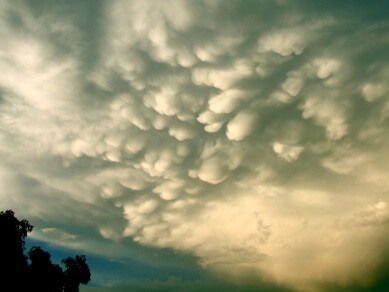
(77, 271)
(13, 262)
(41, 275)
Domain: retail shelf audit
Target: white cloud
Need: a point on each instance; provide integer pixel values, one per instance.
(372, 91)
(241, 125)
(147, 206)
(326, 67)
(222, 78)
(213, 170)
(227, 101)
(135, 145)
(284, 42)
(213, 122)
(58, 233)
(287, 152)
(169, 190)
(292, 85)
(182, 132)
(329, 113)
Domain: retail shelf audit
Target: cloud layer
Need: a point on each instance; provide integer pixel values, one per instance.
(251, 134)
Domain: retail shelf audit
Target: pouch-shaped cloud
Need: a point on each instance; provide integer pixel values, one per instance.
(329, 113)
(241, 125)
(169, 190)
(292, 86)
(289, 153)
(222, 79)
(182, 131)
(213, 170)
(213, 121)
(326, 67)
(283, 42)
(373, 91)
(227, 101)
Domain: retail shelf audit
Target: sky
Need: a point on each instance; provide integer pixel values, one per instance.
(201, 145)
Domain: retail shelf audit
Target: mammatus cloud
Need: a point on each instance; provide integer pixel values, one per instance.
(249, 134)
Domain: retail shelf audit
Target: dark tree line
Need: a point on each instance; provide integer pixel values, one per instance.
(17, 274)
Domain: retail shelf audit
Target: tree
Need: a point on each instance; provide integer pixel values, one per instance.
(13, 262)
(41, 275)
(77, 271)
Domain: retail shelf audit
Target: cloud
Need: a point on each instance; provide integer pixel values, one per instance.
(60, 234)
(240, 133)
(285, 43)
(289, 153)
(213, 171)
(241, 125)
(329, 113)
(373, 91)
(227, 101)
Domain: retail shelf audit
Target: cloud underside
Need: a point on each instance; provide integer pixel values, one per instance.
(247, 134)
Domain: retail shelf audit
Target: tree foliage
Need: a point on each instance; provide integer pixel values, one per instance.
(41, 274)
(77, 271)
(13, 262)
